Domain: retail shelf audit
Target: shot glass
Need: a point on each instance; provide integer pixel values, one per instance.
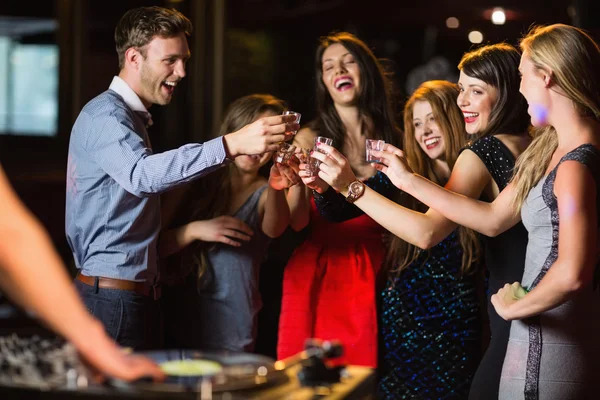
(296, 121)
(373, 144)
(303, 156)
(313, 164)
(285, 152)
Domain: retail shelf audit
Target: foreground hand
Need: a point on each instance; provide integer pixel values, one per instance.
(335, 169)
(223, 229)
(393, 164)
(104, 356)
(506, 297)
(261, 136)
(283, 176)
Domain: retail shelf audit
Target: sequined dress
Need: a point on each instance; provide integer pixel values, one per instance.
(504, 259)
(430, 327)
(329, 282)
(554, 355)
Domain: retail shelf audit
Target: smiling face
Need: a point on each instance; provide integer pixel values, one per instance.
(476, 100)
(427, 132)
(161, 69)
(341, 75)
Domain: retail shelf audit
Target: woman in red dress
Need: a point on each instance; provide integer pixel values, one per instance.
(329, 286)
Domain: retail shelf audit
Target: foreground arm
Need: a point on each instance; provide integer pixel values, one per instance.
(27, 261)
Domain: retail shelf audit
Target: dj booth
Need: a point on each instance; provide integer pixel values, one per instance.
(360, 384)
(35, 367)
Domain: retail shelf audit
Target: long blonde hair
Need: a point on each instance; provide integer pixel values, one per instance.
(573, 60)
(441, 95)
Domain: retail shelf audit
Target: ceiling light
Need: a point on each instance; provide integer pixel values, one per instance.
(498, 16)
(475, 37)
(452, 23)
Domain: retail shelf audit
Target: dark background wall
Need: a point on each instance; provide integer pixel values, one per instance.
(248, 46)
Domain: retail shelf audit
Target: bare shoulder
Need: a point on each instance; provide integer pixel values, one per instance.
(468, 161)
(469, 175)
(575, 187)
(305, 138)
(573, 177)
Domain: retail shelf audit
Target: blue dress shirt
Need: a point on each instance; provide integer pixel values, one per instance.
(113, 182)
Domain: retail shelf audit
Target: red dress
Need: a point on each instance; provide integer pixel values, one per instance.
(329, 288)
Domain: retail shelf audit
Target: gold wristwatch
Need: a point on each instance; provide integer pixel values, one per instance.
(355, 190)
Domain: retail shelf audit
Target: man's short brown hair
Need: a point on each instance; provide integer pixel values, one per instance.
(137, 28)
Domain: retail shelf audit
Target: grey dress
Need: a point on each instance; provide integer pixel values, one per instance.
(554, 355)
(219, 312)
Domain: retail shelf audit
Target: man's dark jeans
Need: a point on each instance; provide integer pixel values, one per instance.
(131, 319)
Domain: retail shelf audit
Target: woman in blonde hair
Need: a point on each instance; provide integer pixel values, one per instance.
(553, 351)
(496, 113)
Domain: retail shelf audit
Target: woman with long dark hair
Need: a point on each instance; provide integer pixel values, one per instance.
(329, 282)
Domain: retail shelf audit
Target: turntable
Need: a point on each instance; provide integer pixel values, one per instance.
(35, 368)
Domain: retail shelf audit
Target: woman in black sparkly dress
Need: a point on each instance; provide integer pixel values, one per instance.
(495, 111)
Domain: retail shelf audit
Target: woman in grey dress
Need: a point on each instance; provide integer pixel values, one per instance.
(217, 240)
(553, 351)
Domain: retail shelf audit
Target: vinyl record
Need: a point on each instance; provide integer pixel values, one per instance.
(191, 371)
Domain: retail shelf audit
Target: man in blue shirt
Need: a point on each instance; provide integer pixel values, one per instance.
(114, 179)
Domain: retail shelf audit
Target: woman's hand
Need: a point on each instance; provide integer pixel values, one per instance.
(393, 164)
(283, 176)
(223, 229)
(506, 297)
(311, 181)
(334, 169)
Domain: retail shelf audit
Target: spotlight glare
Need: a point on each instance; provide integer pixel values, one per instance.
(452, 23)
(475, 37)
(498, 16)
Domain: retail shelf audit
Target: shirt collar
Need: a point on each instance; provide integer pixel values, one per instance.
(132, 100)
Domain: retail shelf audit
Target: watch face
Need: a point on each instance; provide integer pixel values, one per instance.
(357, 187)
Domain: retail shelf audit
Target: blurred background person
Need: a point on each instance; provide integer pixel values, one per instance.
(222, 228)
